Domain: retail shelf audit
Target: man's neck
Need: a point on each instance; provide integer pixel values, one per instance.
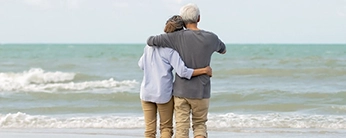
(192, 26)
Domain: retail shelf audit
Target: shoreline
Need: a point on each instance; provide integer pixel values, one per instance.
(138, 133)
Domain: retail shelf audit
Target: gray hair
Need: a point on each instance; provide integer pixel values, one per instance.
(189, 13)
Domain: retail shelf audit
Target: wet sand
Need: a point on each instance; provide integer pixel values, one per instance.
(138, 133)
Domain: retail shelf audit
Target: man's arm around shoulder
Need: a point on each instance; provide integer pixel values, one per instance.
(151, 40)
(161, 40)
(158, 40)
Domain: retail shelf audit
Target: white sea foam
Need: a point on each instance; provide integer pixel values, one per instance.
(339, 107)
(37, 76)
(22, 120)
(38, 80)
(215, 122)
(276, 120)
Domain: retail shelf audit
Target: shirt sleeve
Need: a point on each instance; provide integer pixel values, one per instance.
(220, 46)
(179, 66)
(161, 40)
(140, 62)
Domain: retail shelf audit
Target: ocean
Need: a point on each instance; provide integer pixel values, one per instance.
(255, 87)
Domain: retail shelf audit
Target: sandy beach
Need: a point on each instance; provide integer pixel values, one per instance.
(137, 133)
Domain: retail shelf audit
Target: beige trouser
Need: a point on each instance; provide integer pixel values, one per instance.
(166, 114)
(182, 109)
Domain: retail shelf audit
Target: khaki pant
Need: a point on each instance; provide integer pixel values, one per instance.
(199, 109)
(166, 115)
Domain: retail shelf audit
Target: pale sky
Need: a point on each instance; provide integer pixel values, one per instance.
(133, 21)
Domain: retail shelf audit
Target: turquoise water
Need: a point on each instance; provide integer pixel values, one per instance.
(97, 86)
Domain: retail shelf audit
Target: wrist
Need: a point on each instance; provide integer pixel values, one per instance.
(205, 71)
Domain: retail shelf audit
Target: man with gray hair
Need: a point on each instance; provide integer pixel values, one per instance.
(195, 46)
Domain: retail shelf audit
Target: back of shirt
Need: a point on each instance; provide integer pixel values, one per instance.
(195, 48)
(157, 81)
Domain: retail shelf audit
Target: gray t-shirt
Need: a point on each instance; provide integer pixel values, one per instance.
(195, 48)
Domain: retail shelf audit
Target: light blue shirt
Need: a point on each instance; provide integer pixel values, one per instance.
(157, 64)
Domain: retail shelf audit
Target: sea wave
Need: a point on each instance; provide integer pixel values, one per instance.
(282, 72)
(276, 120)
(280, 101)
(35, 76)
(23, 120)
(38, 80)
(215, 122)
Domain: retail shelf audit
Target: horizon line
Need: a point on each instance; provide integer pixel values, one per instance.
(63, 43)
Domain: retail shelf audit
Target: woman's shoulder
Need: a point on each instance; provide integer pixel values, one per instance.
(166, 50)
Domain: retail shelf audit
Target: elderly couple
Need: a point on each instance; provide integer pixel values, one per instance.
(189, 52)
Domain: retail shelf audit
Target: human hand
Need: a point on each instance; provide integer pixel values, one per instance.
(209, 71)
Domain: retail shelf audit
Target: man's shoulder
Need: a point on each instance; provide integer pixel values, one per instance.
(172, 34)
(201, 31)
(167, 34)
(208, 32)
